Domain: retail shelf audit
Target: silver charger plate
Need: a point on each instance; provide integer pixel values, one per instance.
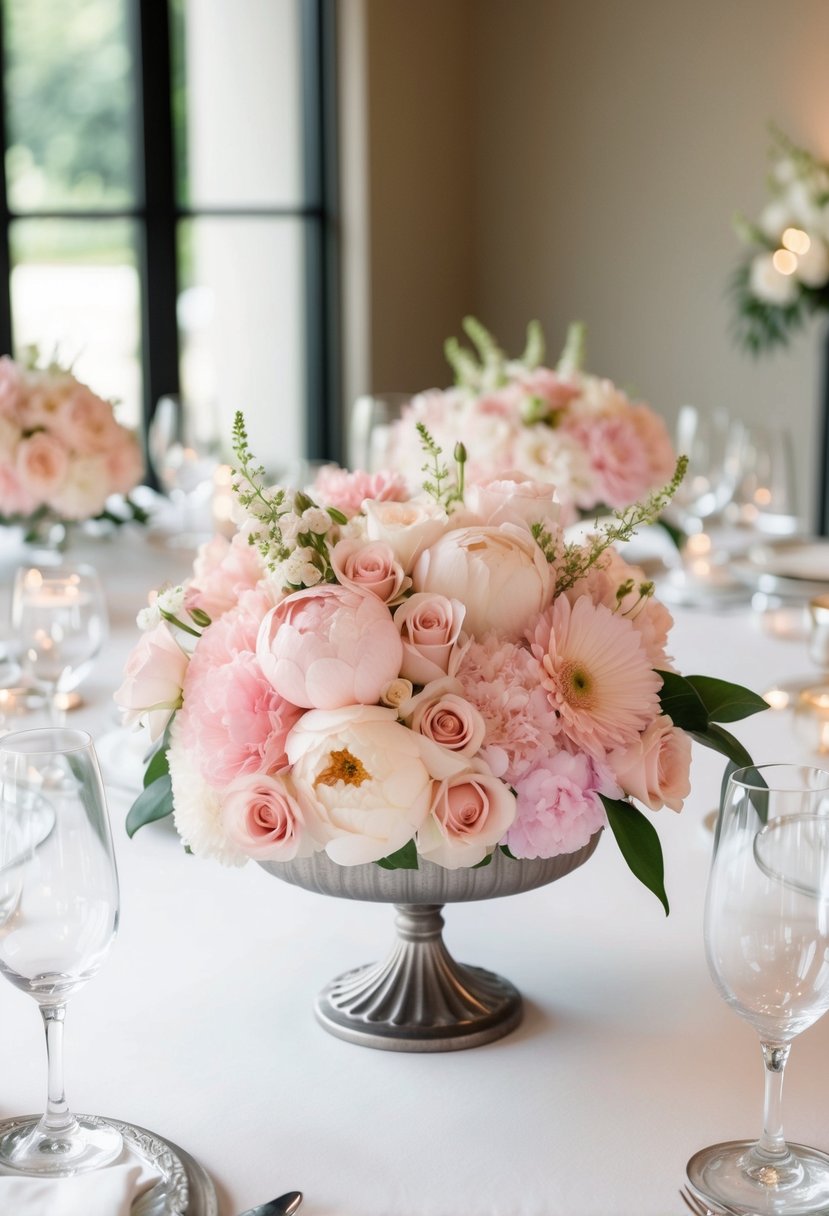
(183, 1188)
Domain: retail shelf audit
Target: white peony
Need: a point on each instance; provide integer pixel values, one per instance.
(769, 285)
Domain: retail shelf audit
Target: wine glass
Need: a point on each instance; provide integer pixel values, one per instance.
(767, 944)
(60, 617)
(765, 497)
(58, 920)
(370, 429)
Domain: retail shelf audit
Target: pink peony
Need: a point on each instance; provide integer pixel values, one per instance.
(222, 572)
(557, 806)
(470, 813)
(654, 438)
(499, 574)
(597, 675)
(503, 681)
(430, 626)
(361, 780)
(329, 647)
(348, 491)
(655, 768)
(233, 720)
(369, 566)
(42, 465)
(153, 679)
(441, 714)
(261, 816)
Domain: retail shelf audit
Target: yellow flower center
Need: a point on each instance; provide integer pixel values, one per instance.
(345, 767)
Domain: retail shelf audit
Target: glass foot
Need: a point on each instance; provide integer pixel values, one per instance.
(87, 1143)
(738, 1174)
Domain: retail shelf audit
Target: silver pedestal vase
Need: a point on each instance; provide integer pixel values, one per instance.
(420, 998)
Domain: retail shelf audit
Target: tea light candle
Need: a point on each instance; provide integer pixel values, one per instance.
(811, 716)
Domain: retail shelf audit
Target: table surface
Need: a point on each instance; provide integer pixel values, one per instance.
(200, 1026)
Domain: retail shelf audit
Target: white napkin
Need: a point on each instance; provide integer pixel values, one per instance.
(106, 1192)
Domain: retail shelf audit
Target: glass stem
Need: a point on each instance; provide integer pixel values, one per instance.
(772, 1141)
(57, 1117)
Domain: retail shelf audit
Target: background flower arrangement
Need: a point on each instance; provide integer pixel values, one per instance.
(62, 451)
(412, 678)
(562, 425)
(784, 278)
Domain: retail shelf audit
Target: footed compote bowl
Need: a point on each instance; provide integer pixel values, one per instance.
(420, 998)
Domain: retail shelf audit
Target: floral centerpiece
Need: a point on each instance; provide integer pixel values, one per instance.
(397, 678)
(62, 451)
(784, 277)
(561, 425)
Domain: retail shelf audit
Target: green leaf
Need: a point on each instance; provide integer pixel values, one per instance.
(681, 702)
(726, 702)
(505, 849)
(152, 803)
(485, 861)
(403, 859)
(675, 534)
(638, 840)
(157, 766)
(720, 740)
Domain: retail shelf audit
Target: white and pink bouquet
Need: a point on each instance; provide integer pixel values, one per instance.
(62, 451)
(405, 679)
(578, 431)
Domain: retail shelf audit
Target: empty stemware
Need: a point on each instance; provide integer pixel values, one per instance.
(58, 920)
(370, 430)
(767, 944)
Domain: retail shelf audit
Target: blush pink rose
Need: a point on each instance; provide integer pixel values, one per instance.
(124, 462)
(656, 768)
(262, 817)
(153, 679)
(430, 626)
(558, 806)
(470, 813)
(85, 422)
(42, 465)
(499, 574)
(369, 566)
(329, 647)
(441, 713)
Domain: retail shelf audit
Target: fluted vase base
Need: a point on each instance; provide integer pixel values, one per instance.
(419, 999)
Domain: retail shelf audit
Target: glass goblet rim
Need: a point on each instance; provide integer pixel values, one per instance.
(786, 880)
(740, 778)
(31, 742)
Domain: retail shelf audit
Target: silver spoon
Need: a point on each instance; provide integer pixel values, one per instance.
(285, 1205)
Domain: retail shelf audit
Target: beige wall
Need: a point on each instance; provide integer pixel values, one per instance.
(584, 158)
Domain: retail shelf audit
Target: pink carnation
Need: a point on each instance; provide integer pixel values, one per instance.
(654, 437)
(648, 615)
(233, 721)
(348, 491)
(617, 457)
(557, 806)
(222, 572)
(502, 680)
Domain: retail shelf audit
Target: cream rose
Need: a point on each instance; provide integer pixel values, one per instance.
(655, 768)
(500, 575)
(408, 527)
(430, 626)
(470, 813)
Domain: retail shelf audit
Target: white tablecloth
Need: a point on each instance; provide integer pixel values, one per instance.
(200, 1025)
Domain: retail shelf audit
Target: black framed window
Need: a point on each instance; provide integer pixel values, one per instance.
(167, 207)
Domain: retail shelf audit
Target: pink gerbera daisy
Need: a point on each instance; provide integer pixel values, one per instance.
(597, 674)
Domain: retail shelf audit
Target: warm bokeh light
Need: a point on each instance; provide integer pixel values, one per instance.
(785, 261)
(796, 240)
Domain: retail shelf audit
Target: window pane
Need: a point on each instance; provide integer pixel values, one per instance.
(75, 295)
(236, 96)
(71, 104)
(241, 330)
